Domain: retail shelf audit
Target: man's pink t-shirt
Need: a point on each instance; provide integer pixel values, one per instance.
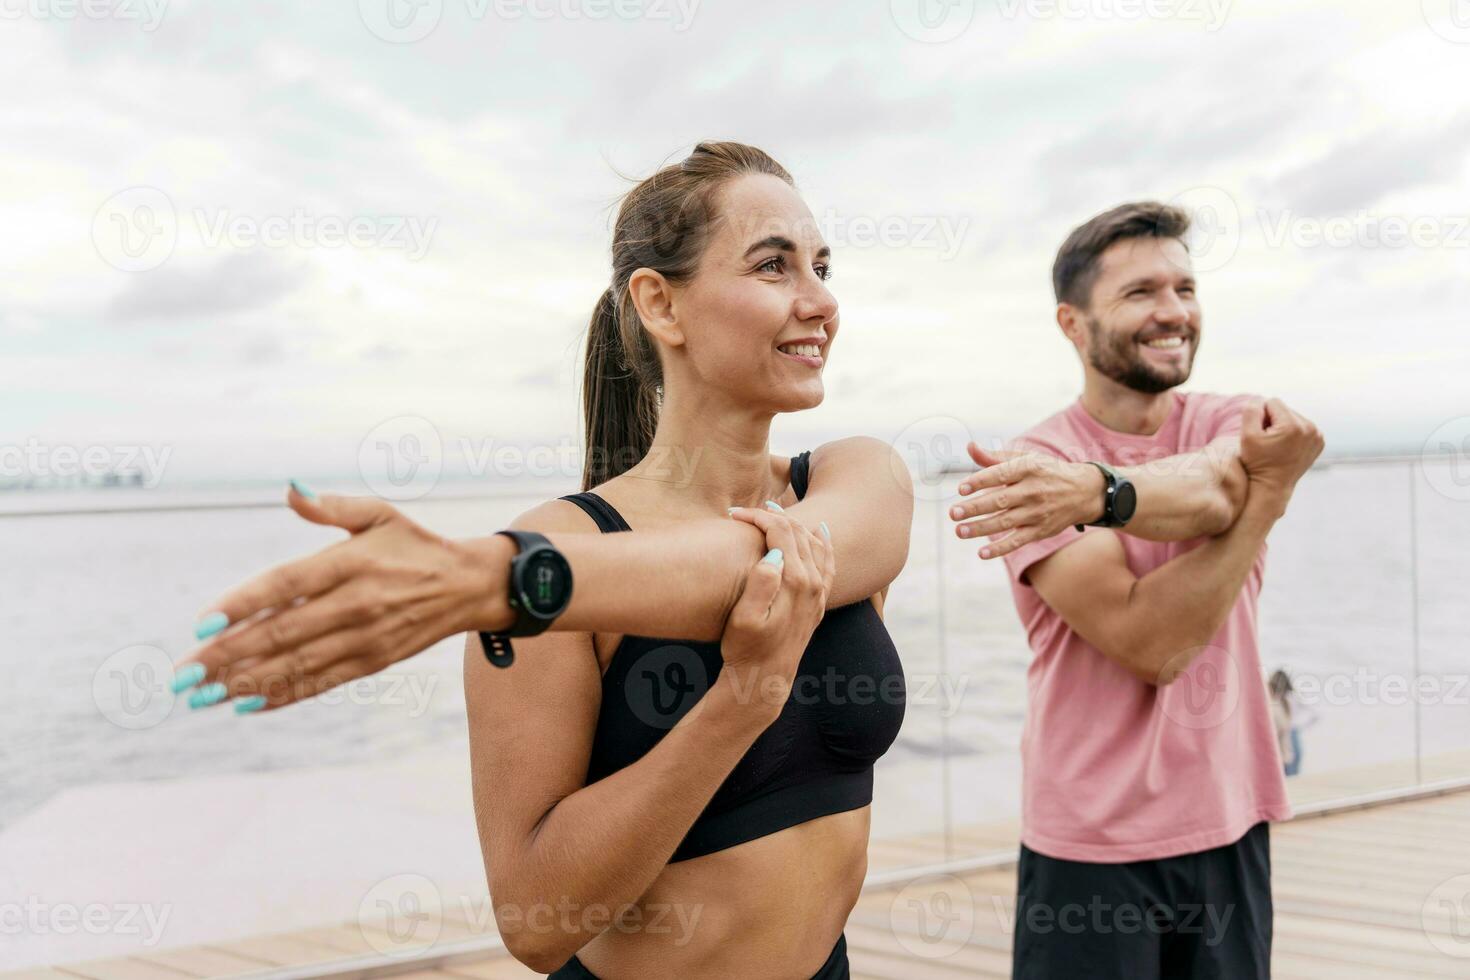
(1116, 769)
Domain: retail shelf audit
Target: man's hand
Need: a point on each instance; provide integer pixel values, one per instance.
(1026, 496)
(1276, 447)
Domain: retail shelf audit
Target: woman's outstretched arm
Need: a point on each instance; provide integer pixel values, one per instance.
(681, 582)
(394, 588)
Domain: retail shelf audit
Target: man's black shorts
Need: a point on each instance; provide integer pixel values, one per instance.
(1192, 917)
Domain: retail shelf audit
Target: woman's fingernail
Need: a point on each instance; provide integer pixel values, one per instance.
(187, 676)
(773, 557)
(210, 625)
(775, 506)
(243, 706)
(207, 695)
(826, 531)
(303, 489)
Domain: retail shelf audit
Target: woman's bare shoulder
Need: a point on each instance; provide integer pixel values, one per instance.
(554, 515)
(861, 460)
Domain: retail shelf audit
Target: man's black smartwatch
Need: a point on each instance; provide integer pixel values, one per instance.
(1120, 500)
(540, 589)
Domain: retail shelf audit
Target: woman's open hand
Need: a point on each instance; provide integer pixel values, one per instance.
(389, 591)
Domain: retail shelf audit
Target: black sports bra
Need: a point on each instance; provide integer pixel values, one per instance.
(816, 758)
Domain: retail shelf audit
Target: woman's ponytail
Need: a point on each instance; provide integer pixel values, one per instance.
(620, 408)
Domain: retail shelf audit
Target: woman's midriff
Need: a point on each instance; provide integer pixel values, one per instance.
(772, 908)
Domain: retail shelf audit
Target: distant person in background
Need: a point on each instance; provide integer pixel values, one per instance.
(1150, 766)
(1291, 718)
(1288, 739)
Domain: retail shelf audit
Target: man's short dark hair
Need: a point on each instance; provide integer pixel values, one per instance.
(1075, 271)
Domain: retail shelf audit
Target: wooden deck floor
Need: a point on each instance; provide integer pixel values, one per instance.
(1381, 892)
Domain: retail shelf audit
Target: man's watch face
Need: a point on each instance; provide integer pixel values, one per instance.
(545, 583)
(1125, 502)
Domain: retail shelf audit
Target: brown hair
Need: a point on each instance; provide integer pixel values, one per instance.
(663, 224)
(1075, 270)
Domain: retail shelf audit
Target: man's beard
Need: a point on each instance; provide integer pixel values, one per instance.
(1117, 357)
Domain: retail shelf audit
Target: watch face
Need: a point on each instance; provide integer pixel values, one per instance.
(545, 583)
(1125, 502)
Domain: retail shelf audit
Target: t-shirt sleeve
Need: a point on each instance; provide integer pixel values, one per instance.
(1221, 415)
(1018, 561)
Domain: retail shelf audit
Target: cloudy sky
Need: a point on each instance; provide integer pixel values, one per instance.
(256, 233)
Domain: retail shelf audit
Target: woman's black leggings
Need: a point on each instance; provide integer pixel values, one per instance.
(834, 969)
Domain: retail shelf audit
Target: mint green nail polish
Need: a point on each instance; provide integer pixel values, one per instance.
(775, 506)
(773, 557)
(303, 489)
(826, 531)
(243, 706)
(187, 676)
(210, 625)
(207, 695)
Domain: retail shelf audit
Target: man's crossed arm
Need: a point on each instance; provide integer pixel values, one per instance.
(1028, 496)
(1157, 623)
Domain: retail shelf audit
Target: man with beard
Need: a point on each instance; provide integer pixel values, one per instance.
(1150, 766)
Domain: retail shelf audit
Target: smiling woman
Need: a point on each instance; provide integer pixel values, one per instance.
(680, 759)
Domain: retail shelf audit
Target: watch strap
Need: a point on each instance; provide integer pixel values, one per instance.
(1110, 488)
(498, 648)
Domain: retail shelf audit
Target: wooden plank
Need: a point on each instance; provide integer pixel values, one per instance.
(281, 949)
(123, 968)
(496, 968)
(203, 961)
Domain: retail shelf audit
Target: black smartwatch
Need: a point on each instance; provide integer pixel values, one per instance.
(540, 589)
(1120, 499)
